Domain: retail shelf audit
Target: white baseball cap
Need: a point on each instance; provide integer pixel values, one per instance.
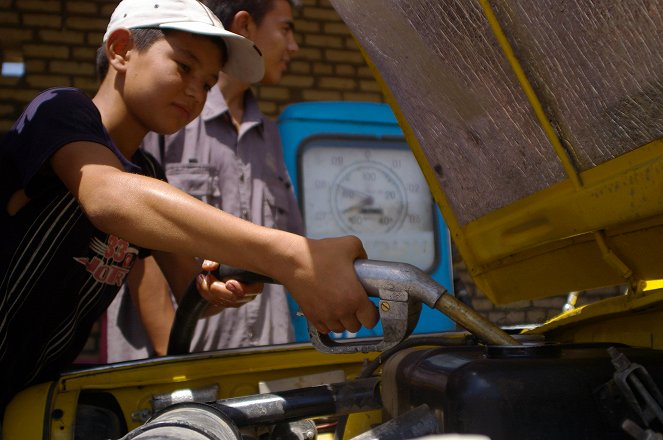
(244, 59)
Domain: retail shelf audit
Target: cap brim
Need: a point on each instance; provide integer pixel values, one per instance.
(244, 59)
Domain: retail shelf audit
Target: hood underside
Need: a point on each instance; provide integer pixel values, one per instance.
(538, 126)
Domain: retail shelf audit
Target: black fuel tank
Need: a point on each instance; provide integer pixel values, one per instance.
(541, 391)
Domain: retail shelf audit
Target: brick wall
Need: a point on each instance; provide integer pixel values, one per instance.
(57, 41)
(328, 66)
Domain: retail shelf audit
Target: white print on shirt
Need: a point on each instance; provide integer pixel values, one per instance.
(112, 262)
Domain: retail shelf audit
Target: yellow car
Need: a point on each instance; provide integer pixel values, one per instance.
(538, 128)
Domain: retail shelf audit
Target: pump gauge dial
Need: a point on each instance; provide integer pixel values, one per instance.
(368, 197)
(373, 189)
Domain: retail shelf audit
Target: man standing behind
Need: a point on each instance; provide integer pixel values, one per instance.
(231, 157)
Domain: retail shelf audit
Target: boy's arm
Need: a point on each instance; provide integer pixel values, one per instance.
(153, 214)
(151, 296)
(151, 293)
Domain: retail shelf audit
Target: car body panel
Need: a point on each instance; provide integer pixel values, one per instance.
(537, 125)
(541, 146)
(49, 410)
(372, 126)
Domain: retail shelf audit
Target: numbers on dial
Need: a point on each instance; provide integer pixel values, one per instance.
(380, 206)
(374, 190)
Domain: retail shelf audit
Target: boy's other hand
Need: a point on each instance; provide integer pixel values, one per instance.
(222, 294)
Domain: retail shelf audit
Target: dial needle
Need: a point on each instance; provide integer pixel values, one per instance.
(361, 205)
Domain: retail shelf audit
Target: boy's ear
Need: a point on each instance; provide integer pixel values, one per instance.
(117, 46)
(242, 24)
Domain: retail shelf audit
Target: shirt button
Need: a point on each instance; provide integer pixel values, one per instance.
(245, 214)
(241, 178)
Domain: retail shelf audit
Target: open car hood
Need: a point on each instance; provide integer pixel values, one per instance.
(538, 126)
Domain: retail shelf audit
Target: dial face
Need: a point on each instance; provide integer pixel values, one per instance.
(373, 189)
(368, 197)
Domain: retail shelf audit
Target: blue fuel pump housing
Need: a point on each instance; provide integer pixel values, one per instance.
(354, 174)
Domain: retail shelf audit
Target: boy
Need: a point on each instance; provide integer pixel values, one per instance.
(236, 150)
(77, 213)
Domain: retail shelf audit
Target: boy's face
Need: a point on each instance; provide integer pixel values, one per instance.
(276, 40)
(166, 85)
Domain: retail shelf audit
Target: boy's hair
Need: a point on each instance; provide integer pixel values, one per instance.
(143, 39)
(226, 9)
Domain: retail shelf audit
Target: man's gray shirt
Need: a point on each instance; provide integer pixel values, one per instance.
(244, 174)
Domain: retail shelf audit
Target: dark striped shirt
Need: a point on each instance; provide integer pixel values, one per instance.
(58, 273)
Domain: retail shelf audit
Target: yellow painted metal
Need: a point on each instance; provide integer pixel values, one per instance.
(622, 191)
(611, 257)
(605, 228)
(511, 250)
(359, 423)
(25, 416)
(653, 285)
(547, 244)
(133, 384)
(62, 427)
(632, 319)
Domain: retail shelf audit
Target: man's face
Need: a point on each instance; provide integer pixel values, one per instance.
(276, 40)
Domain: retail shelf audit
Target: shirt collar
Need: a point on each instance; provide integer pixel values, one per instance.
(216, 106)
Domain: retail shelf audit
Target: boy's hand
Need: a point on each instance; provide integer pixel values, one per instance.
(224, 293)
(326, 287)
